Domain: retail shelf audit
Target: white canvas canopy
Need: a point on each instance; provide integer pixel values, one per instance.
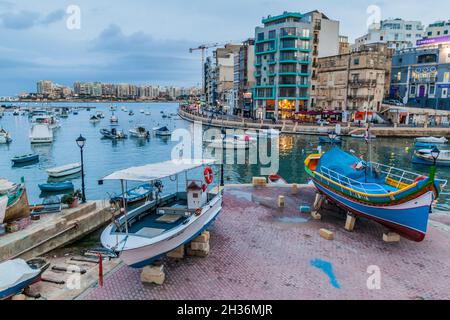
(157, 171)
(13, 272)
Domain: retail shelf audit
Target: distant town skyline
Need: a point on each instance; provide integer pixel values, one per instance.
(142, 42)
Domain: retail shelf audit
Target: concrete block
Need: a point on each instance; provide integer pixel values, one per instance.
(198, 253)
(391, 237)
(203, 238)
(350, 223)
(259, 182)
(177, 253)
(316, 215)
(294, 189)
(281, 202)
(197, 246)
(19, 297)
(326, 234)
(153, 275)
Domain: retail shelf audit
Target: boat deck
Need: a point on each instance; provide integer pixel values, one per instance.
(259, 251)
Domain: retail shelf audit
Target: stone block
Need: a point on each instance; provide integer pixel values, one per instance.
(19, 297)
(350, 223)
(177, 253)
(391, 237)
(198, 253)
(316, 215)
(259, 182)
(203, 238)
(153, 275)
(281, 202)
(294, 189)
(326, 234)
(198, 246)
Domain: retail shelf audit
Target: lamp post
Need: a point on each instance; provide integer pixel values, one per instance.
(222, 181)
(81, 141)
(435, 153)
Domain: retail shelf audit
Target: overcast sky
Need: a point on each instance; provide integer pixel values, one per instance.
(144, 41)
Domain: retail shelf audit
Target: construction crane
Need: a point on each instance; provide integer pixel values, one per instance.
(204, 48)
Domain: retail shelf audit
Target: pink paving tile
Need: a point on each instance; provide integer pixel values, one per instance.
(261, 252)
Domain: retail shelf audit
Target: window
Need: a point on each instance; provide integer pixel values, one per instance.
(289, 31)
(445, 31)
(446, 77)
(444, 93)
(427, 58)
(356, 61)
(195, 195)
(438, 33)
(261, 36)
(430, 33)
(409, 35)
(399, 76)
(432, 90)
(272, 34)
(381, 38)
(413, 90)
(305, 33)
(408, 27)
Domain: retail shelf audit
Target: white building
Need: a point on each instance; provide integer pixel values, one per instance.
(397, 33)
(438, 29)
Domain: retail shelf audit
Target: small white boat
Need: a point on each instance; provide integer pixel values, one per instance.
(238, 142)
(139, 132)
(16, 275)
(162, 223)
(162, 132)
(64, 171)
(41, 133)
(141, 111)
(363, 136)
(423, 156)
(275, 179)
(441, 140)
(148, 113)
(94, 119)
(114, 119)
(5, 137)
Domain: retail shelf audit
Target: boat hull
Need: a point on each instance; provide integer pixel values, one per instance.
(421, 160)
(409, 219)
(25, 159)
(56, 187)
(145, 255)
(19, 209)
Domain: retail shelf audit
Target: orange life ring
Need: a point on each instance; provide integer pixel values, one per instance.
(209, 176)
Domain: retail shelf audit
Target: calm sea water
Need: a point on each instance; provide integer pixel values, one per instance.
(105, 156)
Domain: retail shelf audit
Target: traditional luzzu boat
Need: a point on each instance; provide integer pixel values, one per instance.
(17, 206)
(164, 222)
(397, 199)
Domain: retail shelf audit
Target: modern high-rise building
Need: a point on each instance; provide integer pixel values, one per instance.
(286, 51)
(397, 33)
(44, 87)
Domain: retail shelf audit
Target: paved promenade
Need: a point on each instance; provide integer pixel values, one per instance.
(289, 127)
(261, 252)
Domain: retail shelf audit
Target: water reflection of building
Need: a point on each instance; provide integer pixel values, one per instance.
(286, 144)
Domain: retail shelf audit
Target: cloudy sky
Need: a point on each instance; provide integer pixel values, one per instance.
(147, 41)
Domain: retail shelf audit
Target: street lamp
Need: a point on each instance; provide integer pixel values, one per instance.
(435, 153)
(222, 181)
(81, 141)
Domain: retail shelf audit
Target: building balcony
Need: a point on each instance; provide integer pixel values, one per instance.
(271, 62)
(274, 50)
(362, 83)
(424, 80)
(265, 40)
(360, 97)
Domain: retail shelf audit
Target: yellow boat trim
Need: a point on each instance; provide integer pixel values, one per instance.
(390, 195)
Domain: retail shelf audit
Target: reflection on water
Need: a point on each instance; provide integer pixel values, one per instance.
(104, 156)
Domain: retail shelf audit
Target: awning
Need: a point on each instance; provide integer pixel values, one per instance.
(156, 171)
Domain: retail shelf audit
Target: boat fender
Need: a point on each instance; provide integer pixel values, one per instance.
(198, 212)
(204, 187)
(418, 179)
(209, 176)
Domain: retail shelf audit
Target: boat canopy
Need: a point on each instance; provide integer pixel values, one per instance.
(156, 171)
(13, 272)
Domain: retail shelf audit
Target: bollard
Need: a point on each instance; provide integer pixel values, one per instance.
(100, 270)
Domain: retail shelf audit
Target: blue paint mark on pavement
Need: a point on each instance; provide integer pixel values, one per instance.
(327, 268)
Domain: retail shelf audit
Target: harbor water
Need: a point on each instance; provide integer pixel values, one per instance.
(105, 156)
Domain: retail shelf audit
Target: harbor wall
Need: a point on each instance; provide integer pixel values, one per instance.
(288, 127)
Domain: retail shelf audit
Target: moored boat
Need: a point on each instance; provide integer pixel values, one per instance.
(162, 132)
(25, 158)
(164, 223)
(364, 136)
(139, 132)
(113, 134)
(441, 140)
(56, 187)
(424, 156)
(64, 171)
(17, 206)
(41, 134)
(136, 195)
(5, 137)
(94, 119)
(16, 275)
(275, 179)
(397, 199)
